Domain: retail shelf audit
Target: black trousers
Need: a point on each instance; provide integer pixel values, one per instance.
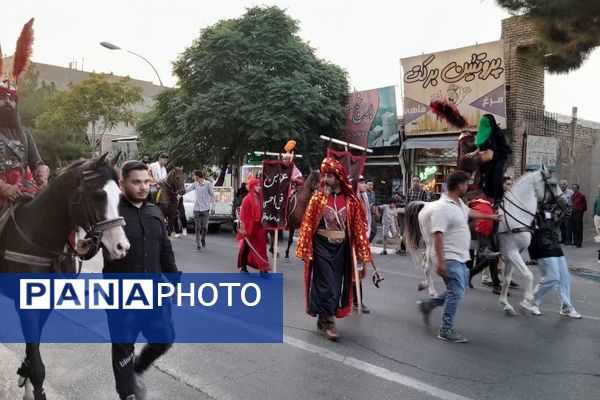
(329, 282)
(577, 228)
(154, 325)
(566, 231)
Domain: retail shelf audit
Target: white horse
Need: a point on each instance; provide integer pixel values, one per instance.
(518, 208)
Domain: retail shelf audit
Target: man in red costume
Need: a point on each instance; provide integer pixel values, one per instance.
(333, 227)
(19, 157)
(251, 234)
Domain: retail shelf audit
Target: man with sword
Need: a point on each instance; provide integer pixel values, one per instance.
(251, 234)
(334, 246)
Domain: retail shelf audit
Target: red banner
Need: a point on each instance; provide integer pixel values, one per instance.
(353, 164)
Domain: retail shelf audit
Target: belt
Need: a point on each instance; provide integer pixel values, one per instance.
(331, 234)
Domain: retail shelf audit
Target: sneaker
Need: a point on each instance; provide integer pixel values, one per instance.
(244, 270)
(203, 243)
(365, 309)
(527, 305)
(487, 283)
(198, 249)
(184, 232)
(425, 308)
(535, 310)
(177, 235)
(383, 253)
(571, 314)
(451, 336)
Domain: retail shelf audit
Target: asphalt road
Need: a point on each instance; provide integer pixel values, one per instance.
(388, 354)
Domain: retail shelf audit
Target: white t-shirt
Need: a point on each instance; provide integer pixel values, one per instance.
(452, 219)
(158, 172)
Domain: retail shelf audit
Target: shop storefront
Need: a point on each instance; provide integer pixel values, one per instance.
(429, 158)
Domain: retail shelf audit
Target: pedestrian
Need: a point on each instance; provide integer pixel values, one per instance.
(416, 192)
(401, 210)
(150, 252)
(372, 201)
(566, 226)
(333, 235)
(390, 223)
(597, 216)
(487, 256)
(204, 205)
(41, 176)
(579, 207)
(362, 195)
(145, 158)
(251, 234)
(545, 247)
(451, 238)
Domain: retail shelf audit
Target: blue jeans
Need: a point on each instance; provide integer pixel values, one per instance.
(555, 273)
(457, 278)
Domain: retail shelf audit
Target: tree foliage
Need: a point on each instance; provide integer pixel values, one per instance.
(91, 108)
(246, 84)
(568, 30)
(33, 96)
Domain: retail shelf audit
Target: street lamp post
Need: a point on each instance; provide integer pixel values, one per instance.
(111, 46)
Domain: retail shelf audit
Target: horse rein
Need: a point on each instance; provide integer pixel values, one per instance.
(94, 229)
(525, 227)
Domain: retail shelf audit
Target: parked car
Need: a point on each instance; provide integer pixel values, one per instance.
(223, 207)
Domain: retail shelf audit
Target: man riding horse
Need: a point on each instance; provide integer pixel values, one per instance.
(19, 157)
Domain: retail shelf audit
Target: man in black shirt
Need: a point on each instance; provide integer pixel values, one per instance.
(150, 252)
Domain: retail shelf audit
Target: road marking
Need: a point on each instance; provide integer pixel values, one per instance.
(374, 370)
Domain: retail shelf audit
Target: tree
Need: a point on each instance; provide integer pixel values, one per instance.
(246, 84)
(91, 108)
(33, 96)
(568, 30)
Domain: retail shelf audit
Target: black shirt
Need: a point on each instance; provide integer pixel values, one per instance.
(545, 242)
(150, 249)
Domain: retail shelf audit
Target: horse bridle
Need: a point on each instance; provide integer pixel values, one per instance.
(93, 227)
(543, 203)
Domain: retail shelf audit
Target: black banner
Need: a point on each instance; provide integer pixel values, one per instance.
(275, 187)
(354, 164)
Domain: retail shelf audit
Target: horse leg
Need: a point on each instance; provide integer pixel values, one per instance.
(33, 372)
(528, 292)
(429, 277)
(290, 241)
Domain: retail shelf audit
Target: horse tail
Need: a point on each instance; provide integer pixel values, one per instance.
(412, 231)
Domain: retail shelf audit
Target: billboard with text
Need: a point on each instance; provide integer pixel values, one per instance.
(470, 77)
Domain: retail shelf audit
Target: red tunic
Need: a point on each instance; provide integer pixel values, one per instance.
(255, 254)
(24, 180)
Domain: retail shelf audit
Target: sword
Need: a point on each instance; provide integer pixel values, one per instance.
(254, 250)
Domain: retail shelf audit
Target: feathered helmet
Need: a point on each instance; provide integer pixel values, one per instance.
(20, 61)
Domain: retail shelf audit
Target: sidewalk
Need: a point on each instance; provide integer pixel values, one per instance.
(586, 257)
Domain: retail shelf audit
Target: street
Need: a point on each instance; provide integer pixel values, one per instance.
(388, 354)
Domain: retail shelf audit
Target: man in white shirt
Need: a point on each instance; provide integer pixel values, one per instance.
(157, 173)
(448, 220)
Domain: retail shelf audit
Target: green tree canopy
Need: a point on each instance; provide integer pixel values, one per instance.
(246, 84)
(568, 30)
(91, 108)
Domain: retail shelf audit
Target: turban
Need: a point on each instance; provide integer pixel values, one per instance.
(333, 166)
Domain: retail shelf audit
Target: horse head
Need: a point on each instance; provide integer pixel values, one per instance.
(176, 180)
(93, 206)
(547, 189)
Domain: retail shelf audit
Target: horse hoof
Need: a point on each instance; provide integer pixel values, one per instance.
(422, 286)
(28, 391)
(510, 312)
(433, 294)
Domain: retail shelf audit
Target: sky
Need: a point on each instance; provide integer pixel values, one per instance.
(366, 38)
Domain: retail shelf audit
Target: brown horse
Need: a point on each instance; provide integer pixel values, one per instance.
(167, 198)
(34, 240)
(297, 203)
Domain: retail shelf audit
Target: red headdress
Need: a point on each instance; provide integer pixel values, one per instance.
(255, 198)
(447, 110)
(333, 166)
(21, 59)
